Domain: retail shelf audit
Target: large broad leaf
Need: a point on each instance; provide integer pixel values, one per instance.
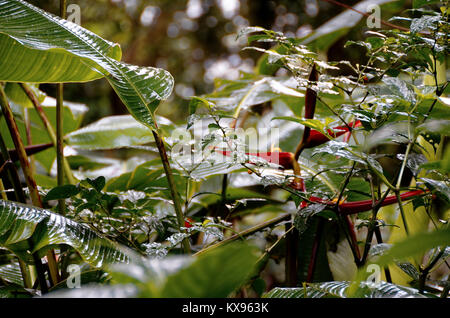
(114, 132)
(215, 274)
(20, 222)
(37, 46)
(416, 244)
(110, 133)
(337, 289)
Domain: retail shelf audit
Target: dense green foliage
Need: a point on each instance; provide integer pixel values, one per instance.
(355, 202)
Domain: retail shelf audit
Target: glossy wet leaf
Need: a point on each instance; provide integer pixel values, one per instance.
(97, 291)
(144, 177)
(48, 49)
(441, 187)
(11, 273)
(424, 23)
(409, 269)
(435, 126)
(337, 289)
(19, 222)
(15, 292)
(400, 89)
(305, 214)
(17, 95)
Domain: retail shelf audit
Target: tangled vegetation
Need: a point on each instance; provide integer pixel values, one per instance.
(345, 192)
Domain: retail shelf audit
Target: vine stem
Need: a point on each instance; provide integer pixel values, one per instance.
(31, 183)
(402, 168)
(263, 259)
(424, 272)
(59, 125)
(345, 221)
(11, 172)
(50, 131)
(402, 212)
(172, 187)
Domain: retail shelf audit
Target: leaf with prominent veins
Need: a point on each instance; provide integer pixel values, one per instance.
(39, 47)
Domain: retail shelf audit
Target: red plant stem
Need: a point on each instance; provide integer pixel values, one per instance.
(347, 208)
(310, 108)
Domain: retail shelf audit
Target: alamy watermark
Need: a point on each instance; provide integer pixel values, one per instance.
(375, 276)
(74, 13)
(74, 279)
(374, 19)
